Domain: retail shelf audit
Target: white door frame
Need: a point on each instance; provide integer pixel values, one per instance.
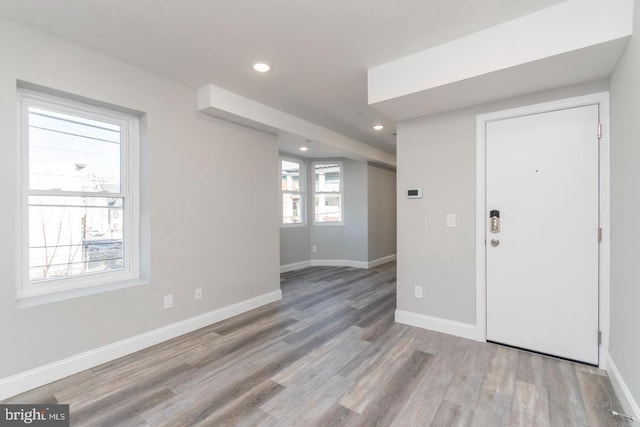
(601, 99)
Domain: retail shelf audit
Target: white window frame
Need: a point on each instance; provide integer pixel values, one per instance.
(302, 192)
(341, 192)
(31, 293)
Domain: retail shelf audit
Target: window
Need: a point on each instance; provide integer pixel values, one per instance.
(328, 192)
(79, 177)
(292, 186)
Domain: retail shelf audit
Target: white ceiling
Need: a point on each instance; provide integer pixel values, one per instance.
(320, 50)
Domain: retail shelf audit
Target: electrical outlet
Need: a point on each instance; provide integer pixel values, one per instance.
(451, 220)
(168, 301)
(418, 291)
(314, 249)
(198, 293)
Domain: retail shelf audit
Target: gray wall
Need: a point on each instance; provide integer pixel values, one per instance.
(355, 211)
(212, 206)
(625, 213)
(381, 183)
(295, 244)
(437, 153)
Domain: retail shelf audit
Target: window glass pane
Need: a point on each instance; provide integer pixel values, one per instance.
(291, 208)
(328, 208)
(70, 236)
(327, 177)
(290, 176)
(71, 153)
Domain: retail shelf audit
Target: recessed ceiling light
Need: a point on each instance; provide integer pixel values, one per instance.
(303, 148)
(378, 127)
(261, 66)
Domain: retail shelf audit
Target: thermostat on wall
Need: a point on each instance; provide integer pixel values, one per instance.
(414, 193)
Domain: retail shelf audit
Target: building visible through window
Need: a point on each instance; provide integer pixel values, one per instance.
(328, 192)
(79, 215)
(292, 187)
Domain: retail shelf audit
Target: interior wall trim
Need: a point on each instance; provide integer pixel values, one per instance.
(382, 260)
(622, 391)
(295, 266)
(339, 263)
(336, 263)
(437, 324)
(28, 380)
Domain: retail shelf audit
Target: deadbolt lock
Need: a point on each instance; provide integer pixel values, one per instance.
(495, 221)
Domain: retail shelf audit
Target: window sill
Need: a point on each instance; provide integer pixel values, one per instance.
(322, 224)
(297, 225)
(35, 300)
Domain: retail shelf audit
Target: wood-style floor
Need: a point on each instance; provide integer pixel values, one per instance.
(330, 354)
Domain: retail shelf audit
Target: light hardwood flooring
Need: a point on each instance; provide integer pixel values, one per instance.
(330, 354)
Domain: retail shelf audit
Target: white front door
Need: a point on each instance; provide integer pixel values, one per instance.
(542, 265)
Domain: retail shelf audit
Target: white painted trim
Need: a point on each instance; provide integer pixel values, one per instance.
(383, 260)
(605, 224)
(294, 224)
(602, 99)
(295, 266)
(351, 263)
(336, 263)
(622, 391)
(481, 202)
(339, 263)
(446, 326)
(24, 381)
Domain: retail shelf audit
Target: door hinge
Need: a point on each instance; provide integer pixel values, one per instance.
(599, 337)
(599, 235)
(599, 130)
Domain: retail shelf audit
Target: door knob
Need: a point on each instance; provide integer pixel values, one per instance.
(495, 242)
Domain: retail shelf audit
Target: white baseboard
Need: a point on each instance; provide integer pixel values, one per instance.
(295, 266)
(382, 260)
(339, 263)
(622, 391)
(24, 381)
(336, 263)
(451, 327)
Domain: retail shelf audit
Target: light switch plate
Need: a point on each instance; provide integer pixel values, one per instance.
(451, 220)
